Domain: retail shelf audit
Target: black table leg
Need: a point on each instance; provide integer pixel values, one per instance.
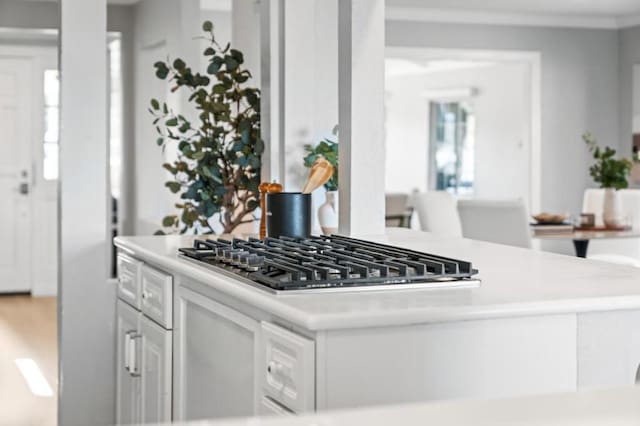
(581, 247)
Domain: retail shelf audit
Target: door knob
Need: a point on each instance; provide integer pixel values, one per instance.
(24, 188)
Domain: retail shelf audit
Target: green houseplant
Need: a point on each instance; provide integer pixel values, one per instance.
(327, 212)
(612, 174)
(217, 171)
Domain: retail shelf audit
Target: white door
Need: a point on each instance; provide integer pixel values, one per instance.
(15, 173)
(215, 356)
(156, 373)
(127, 365)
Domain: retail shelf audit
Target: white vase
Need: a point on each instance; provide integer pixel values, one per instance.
(328, 213)
(612, 215)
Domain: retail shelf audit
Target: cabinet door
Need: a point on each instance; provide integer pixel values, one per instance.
(127, 379)
(155, 372)
(215, 350)
(608, 349)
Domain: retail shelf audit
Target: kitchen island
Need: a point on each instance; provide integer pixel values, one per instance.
(538, 323)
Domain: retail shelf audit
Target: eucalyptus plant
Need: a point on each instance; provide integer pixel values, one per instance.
(608, 171)
(217, 170)
(328, 149)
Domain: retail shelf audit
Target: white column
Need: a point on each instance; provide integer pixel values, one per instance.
(361, 116)
(86, 301)
(272, 88)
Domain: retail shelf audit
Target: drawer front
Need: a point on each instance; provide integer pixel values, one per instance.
(288, 368)
(157, 296)
(129, 287)
(268, 407)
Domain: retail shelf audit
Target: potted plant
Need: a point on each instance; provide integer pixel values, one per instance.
(217, 171)
(327, 212)
(611, 173)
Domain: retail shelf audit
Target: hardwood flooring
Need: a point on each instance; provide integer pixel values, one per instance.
(27, 330)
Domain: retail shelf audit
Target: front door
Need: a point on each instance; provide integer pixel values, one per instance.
(15, 173)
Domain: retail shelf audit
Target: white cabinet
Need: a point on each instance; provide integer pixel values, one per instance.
(143, 369)
(215, 350)
(155, 376)
(128, 382)
(608, 348)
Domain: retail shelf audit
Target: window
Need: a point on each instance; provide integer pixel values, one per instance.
(51, 120)
(452, 147)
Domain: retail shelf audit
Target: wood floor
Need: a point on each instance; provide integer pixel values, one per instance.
(27, 330)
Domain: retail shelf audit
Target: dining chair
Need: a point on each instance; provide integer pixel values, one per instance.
(497, 221)
(624, 251)
(398, 210)
(437, 212)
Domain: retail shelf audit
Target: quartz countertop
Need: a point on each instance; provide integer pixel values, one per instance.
(610, 407)
(515, 282)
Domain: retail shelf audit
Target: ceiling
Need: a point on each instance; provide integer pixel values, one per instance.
(562, 7)
(557, 13)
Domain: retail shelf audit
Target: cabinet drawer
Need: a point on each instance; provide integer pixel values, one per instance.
(129, 288)
(288, 368)
(157, 296)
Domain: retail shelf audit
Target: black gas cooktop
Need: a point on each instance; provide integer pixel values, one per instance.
(330, 262)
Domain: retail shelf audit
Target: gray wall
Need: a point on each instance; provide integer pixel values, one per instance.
(629, 56)
(579, 91)
(29, 14)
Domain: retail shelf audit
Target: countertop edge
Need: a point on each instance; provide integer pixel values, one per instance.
(269, 302)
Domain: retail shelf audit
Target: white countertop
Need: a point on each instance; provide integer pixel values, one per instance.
(610, 407)
(515, 282)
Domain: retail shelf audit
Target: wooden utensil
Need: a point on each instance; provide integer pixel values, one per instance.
(321, 171)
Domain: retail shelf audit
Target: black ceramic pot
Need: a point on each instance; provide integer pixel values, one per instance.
(288, 214)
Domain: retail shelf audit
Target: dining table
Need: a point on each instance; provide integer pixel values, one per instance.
(582, 236)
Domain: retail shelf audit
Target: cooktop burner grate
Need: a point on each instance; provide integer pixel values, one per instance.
(285, 264)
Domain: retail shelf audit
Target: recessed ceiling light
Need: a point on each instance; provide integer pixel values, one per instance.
(32, 374)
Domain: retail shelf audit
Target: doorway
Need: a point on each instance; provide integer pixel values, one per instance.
(466, 121)
(28, 169)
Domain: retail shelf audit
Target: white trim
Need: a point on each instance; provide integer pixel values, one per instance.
(464, 16)
(534, 59)
(628, 21)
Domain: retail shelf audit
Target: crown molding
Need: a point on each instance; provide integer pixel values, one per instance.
(628, 21)
(463, 16)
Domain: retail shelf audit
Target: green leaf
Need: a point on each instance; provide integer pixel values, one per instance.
(231, 63)
(169, 220)
(160, 141)
(237, 55)
(207, 26)
(172, 122)
(179, 64)
(209, 51)
(173, 186)
(155, 104)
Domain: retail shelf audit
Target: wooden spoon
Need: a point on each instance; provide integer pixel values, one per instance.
(321, 171)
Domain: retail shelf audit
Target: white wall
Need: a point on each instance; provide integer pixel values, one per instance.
(163, 29)
(501, 110)
(629, 56)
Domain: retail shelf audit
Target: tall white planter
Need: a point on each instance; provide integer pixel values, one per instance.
(328, 213)
(612, 214)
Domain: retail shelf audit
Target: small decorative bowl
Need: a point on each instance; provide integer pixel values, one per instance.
(550, 218)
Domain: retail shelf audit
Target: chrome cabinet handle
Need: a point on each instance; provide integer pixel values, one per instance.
(127, 362)
(133, 354)
(638, 375)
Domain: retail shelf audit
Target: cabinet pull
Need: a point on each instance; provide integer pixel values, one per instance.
(127, 362)
(638, 375)
(133, 355)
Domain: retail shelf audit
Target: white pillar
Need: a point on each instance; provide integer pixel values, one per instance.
(361, 116)
(272, 88)
(86, 307)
